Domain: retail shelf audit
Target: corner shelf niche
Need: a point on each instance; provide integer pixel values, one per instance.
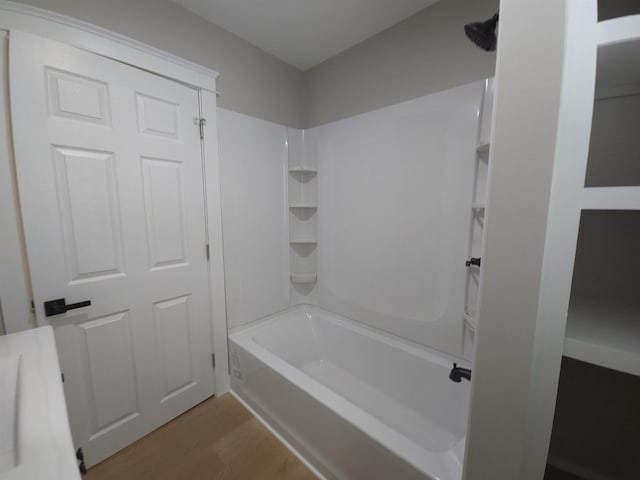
(312, 206)
(301, 169)
(477, 212)
(302, 198)
(483, 147)
(303, 277)
(470, 320)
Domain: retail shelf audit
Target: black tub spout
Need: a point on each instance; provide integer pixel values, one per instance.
(458, 373)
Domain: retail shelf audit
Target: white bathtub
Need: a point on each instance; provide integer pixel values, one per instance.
(353, 402)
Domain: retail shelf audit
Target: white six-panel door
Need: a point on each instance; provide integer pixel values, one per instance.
(110, 179)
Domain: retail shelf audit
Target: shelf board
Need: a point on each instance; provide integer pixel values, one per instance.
(470, 320)
(611, 198)
(604, 333)
(483, 147)
(302, 169)
(300, 277)
(618, 30)
(303, 205)
(303, 240)
(618, 51)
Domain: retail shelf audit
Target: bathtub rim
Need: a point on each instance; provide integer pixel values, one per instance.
(423, 351)
(432, 464)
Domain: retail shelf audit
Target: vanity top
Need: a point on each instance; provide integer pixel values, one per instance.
(35, 439)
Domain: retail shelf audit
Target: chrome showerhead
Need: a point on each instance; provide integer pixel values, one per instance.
(483, 34)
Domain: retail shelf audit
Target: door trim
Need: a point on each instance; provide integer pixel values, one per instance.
(15, 16)
(92, 38)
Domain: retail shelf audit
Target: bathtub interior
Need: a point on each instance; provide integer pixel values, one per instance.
(405, 387)
(328, 437)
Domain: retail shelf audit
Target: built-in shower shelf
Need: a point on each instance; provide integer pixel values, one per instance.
(301, 169)
(611, 198)
(303, 240)
(605, 334)
(470, 318)
(477, 206)
(303, 205)
(483, 147)
(304, 277)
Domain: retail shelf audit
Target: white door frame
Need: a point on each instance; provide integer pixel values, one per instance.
(13, 291)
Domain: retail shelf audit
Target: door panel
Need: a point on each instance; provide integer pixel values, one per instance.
(157, 117)
(164, 212)
(89, 213)
(108, 346)
(79, 98)
(174, 337)
(110, 178)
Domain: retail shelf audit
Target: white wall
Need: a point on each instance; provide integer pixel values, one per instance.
(395, 189)
(253, 171)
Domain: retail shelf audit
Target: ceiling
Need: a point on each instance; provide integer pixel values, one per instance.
(304, 33)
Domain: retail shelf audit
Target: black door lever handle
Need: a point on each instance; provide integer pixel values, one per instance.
(59, 305)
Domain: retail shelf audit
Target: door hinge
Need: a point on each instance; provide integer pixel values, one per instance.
(62, 374)
(201, 122)
(208, 250)
(213, 360)
(80, 457)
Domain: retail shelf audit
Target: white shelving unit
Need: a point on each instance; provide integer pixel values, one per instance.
(303, 206)
(596, 409)
(603, 328)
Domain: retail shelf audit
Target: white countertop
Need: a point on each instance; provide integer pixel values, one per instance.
(44, 446)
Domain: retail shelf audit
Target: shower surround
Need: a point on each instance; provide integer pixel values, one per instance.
(363, 391)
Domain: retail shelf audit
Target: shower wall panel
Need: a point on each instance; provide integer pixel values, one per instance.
(394, 195)
(253, 169)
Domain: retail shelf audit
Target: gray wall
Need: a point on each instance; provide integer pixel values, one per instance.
(251, 81)
(424, 54)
